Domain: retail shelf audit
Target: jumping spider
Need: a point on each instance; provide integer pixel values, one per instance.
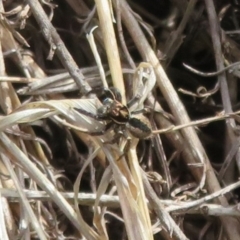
(116, 113)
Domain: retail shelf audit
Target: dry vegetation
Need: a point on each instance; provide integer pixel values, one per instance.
(57, 181)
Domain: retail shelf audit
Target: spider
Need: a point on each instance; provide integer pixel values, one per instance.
(116, 113)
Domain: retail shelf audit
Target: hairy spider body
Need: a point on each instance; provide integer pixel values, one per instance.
(114, 111)
(139, 127)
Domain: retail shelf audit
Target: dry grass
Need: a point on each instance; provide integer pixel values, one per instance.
(59, 182)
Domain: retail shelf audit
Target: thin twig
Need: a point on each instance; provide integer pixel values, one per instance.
(121, 37)
(230, 226)
(205, 199)
(27, 207)
(110, 43)
(56, 44)
(212, 74)
(88, 199)
(196, 123)
(166, 220)
(175, 39)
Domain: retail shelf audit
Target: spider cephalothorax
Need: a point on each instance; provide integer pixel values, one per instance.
(115, 112)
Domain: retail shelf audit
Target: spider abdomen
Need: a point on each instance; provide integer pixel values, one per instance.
(139, 126)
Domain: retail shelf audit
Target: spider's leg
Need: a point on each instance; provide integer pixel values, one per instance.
(102, 93)
(92, 115)
(116, 94)
(143, 111)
